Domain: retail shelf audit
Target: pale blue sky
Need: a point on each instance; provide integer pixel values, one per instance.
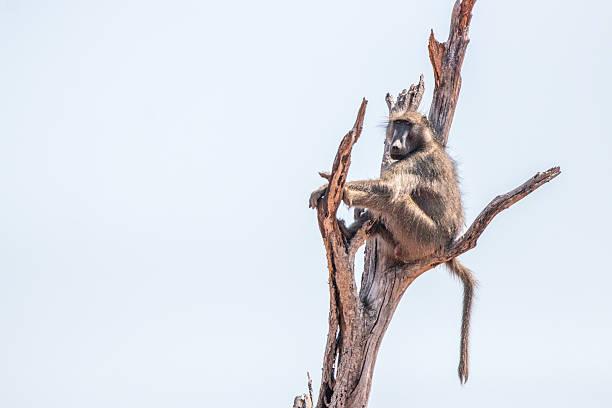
(156, 249)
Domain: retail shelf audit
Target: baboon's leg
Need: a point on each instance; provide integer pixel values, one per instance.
(382, 231)
(361, 216)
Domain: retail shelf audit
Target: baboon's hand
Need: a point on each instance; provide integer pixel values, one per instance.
(316, 196)
(354, 198)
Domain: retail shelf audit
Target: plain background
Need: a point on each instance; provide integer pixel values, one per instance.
(156, 249)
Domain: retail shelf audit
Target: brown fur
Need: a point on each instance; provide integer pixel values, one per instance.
(417, 205)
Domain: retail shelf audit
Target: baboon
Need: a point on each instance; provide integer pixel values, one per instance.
(415, 206)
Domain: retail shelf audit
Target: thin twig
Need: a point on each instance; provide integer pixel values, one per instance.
(309, 386)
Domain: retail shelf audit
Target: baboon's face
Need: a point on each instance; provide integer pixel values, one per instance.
(405, 139)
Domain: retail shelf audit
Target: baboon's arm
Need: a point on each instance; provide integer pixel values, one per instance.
(388, 185)
(378, 189)
(378, 195)
(377, 186)
(367, 193)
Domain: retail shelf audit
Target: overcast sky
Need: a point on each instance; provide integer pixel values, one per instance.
(156, 249)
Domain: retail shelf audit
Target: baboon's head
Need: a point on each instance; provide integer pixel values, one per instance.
(410, 132)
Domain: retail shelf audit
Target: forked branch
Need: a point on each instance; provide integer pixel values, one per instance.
(468, 240)
(357, 324)
(337, 262)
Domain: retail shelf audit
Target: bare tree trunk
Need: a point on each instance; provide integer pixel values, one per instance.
(359, 317)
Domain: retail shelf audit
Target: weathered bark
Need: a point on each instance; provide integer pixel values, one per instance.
(358, 319)
(446, 60)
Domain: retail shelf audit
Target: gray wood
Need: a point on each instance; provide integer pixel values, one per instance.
(359, 317)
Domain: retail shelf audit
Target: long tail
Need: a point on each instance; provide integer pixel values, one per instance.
(469, 284)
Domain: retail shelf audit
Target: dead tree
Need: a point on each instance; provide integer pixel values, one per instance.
(359, 317)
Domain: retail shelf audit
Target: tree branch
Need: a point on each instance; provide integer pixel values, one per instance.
(357, 325)
(446, 59)
(469, 240)
(337, 178)
(343, 306)
(359, 238)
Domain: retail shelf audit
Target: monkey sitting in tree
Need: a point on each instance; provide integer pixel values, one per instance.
(415, 205)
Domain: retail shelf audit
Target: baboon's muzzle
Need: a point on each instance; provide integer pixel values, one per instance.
(396, 153)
